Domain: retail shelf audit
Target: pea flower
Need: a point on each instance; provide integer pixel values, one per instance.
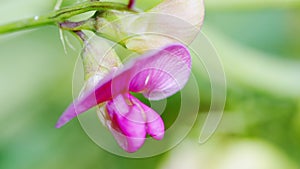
(157, 75)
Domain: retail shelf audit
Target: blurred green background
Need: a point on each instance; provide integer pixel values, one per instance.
(259, 45)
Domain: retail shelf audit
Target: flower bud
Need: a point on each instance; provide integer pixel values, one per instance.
(191, 11)
(98, 60)
(170, 21)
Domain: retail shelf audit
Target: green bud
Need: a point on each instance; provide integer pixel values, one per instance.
(170, 21)
(98, 60)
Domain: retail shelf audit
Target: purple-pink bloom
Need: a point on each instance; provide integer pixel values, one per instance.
(156, 75)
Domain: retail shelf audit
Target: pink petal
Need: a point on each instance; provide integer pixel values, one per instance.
(129, 121)
(163, 74)
(154, 124)
(157, 75)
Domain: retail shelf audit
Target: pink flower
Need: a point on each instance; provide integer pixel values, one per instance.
(156, 75)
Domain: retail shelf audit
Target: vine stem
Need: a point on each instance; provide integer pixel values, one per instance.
(61, 15)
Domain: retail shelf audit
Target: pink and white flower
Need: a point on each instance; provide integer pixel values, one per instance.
(156, 75)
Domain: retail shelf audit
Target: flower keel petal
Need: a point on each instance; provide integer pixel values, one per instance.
(129, 120)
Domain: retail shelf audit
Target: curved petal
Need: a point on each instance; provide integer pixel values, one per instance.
(154, 124)
(191, 11)
(168, 22)
(128, 120)
(157, 75)
(163, 75)
(153, 30)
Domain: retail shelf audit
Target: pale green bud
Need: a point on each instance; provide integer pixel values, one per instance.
(170, 21)
(98, 60)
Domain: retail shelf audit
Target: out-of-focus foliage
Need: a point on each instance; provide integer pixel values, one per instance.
(258, 43)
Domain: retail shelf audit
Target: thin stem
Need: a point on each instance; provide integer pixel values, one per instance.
(25, 24)
(61, 15)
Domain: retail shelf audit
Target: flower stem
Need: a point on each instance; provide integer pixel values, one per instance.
(25, 24)
(61, 15)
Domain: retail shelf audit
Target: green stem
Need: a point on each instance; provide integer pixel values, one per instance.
(61, 15)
